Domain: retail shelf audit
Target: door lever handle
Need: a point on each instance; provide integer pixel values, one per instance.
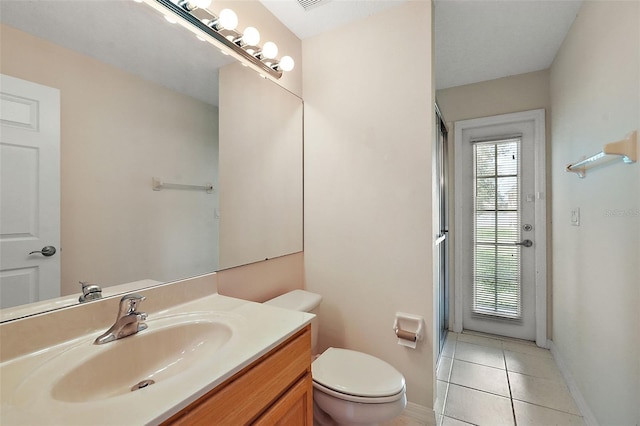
(46, 251)
(526, 243)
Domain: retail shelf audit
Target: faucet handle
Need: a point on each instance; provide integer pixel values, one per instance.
(129, 302)
(89, 292)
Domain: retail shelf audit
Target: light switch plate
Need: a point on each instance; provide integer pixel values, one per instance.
(575, 216)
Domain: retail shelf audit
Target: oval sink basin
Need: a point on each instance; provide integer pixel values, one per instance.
(150, 356)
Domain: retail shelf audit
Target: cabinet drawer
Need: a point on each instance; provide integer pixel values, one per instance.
(294, 408)
(243, 397)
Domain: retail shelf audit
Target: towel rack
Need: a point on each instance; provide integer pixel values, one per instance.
(627, 148)
(158, 185)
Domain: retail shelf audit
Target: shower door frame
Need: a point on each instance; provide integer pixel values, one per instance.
(441, 191)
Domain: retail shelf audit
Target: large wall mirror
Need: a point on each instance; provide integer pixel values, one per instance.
(139, 99)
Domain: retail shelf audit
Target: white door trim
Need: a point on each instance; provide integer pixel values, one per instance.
(540, 230)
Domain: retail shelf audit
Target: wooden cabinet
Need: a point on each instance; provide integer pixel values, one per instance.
(294, 408)
(275, 390)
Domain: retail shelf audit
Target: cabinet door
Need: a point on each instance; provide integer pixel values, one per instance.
(294, 408)
(257, 388)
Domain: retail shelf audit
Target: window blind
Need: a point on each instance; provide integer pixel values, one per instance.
(496, 227)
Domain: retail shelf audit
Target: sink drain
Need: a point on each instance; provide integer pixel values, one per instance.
(143, 384)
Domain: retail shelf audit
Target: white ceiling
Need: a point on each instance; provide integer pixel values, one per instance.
(484, 40)
(326, 15)
(127, 35)
(475, 40)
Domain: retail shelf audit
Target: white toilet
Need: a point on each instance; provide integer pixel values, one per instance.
(349, 387)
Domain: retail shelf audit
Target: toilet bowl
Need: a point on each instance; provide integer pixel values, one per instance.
(349, 387)
(356, 388)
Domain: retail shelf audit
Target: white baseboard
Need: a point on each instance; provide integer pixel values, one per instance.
(420, 413)
(587, 415)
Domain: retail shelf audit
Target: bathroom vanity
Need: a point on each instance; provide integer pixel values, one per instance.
(276, 389)
(205, 359)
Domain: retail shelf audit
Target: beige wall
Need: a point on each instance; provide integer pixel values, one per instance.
(501, 96)
(117, 132)
(517, 93)
(262, 280)
(595, 94)
(368, 208)
(261, 168)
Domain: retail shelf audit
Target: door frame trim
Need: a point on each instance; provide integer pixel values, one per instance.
(536, 116)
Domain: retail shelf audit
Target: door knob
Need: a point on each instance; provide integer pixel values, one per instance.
(526, 243)
(46, 251)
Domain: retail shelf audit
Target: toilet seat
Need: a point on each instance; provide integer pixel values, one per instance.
(356, 376)
(360, 399)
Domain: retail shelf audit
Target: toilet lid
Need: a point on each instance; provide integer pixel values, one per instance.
(356, 373)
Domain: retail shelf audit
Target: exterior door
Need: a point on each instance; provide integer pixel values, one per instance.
(29, 192)
(498, 226)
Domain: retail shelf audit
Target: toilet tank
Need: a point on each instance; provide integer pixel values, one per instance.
(303, 301)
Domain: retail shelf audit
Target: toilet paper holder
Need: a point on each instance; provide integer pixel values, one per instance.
(408, 326)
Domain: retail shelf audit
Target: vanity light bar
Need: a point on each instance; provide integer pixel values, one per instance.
(230, 39)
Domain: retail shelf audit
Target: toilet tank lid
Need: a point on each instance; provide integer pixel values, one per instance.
(296, 300)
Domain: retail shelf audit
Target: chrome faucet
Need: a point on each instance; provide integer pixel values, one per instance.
(128, 322)
(89, 292)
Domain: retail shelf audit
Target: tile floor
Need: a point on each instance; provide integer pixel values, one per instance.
(485, 380)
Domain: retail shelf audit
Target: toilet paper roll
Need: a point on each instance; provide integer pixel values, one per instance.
(407, 335)
(406, 338)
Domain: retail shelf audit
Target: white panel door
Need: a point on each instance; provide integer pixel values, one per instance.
(29, 191)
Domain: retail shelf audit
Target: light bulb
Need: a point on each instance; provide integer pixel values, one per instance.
(228, 19)
(269, 50)
(251, 36)
(286, 63)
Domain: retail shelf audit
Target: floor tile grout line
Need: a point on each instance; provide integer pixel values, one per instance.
(561, 380)
(460, 420)
(478, 363)
(507, 340)
(489, 336)
(446, 392)
(480, 344)
(548, 408)
(506, 370)
(481, 390)
(483, 365)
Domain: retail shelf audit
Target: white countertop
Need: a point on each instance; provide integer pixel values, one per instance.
(27, 381)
